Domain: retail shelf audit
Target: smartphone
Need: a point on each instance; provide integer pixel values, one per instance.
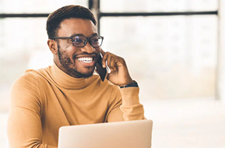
(101, 71)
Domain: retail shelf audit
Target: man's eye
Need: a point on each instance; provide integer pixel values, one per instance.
(94, 40)
(78, 40)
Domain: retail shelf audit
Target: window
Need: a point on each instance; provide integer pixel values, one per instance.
(170, 46)
(158, 5)
(170, 56)
(23, 44)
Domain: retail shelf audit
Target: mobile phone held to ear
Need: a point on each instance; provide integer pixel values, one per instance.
(101, 71)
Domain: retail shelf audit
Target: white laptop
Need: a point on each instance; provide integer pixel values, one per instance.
(126, 134)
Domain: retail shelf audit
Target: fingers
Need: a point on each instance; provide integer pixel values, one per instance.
(111, 63)
(104, 59)
(110, 60)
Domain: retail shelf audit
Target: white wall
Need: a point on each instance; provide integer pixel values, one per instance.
(221, 53)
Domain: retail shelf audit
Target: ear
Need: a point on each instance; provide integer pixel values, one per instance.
(52, 44)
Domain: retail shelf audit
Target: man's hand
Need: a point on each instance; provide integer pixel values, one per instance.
(119, 73)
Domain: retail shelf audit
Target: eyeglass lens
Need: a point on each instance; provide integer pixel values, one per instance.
(81, 41)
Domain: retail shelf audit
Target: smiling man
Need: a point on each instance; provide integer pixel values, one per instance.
(68, 93)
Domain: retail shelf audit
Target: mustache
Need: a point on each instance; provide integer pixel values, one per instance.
(86, 54)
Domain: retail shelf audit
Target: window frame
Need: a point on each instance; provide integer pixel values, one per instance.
(94, 5)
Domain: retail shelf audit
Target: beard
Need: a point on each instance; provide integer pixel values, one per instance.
(71, 66)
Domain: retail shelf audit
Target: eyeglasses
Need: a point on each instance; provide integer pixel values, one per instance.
(81, 41)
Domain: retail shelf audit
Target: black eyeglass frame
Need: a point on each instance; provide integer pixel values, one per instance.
(85, 41)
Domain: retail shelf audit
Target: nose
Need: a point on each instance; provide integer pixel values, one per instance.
(88, 48)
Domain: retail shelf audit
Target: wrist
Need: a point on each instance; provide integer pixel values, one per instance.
(126, 82)
(131, 84)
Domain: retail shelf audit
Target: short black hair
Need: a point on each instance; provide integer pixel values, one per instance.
(66, 12)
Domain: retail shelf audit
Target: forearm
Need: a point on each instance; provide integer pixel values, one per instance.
(130, 96)
(131, 107)
(127, 107)
(24, 129)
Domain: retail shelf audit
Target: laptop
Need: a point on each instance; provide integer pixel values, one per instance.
(126, 134)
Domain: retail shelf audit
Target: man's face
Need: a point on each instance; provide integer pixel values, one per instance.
(76, 61)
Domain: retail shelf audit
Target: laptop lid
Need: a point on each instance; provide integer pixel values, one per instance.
(126, 134)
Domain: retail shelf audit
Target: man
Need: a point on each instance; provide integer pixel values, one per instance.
(67, 93)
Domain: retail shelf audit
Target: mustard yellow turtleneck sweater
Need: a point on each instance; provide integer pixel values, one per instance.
(44, 100)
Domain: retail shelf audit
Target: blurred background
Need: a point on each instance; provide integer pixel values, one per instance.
(173, 48)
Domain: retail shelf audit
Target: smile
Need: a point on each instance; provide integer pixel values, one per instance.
(86, 59)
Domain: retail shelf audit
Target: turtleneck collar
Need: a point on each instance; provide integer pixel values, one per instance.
(67, 81)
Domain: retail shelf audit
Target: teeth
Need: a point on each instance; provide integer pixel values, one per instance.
(86, 59)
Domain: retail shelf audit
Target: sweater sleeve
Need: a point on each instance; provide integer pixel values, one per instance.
(127, 107)
(24, 127)
(131, 107)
